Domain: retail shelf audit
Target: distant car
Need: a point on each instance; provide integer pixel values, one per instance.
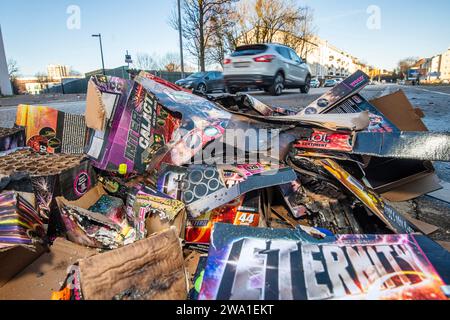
(269, 67)
(203, 81)
(330, 83)
(315, 83)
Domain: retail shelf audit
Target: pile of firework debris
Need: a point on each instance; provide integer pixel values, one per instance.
(159, 193)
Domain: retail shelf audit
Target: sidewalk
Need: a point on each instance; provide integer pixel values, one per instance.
(40, 99)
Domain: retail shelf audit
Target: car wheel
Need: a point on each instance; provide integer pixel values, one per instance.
(201, 88)
(305, 88)
(278, 85)
(232, 90)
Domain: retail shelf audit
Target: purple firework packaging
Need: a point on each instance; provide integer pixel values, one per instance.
(11, 138)
(128, 125)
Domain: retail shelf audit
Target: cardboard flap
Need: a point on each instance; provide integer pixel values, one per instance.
(86, 201)
(150, 269)
(95, 108)
(397, 108)
(413, 189)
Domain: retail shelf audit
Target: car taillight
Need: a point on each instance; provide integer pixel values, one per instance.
(266, 58)
(227, 61)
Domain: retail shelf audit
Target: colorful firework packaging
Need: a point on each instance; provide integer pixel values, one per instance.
(268, 264)
(11, 138)
(96, 220)
(52, 131)
(47, 176)
(244, 210)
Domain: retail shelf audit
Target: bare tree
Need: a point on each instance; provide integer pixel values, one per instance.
(13, 68)
(405, 64)
(264, 21)
(299, 33)
(200, 25)
(13, 72)
(144, 61)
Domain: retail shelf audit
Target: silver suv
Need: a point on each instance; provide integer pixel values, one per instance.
(270, 67)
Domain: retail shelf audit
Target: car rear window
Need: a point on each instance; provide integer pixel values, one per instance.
(249, 50)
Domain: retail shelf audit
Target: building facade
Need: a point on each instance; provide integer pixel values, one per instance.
(57, 72)
(445, 66)
(328, 61)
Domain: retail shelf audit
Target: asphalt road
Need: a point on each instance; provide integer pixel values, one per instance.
(434, 101)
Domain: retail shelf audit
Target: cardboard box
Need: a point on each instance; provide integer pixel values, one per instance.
(14, 260)
(50, 130)
(38, 274)
(47, 176)
(128, 124)
(11, 138)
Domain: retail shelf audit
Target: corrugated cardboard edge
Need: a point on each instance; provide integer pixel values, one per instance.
(445, 245)
(95, 109)
(152, 268)
(397, 108)
(46, 273)
(86, 201)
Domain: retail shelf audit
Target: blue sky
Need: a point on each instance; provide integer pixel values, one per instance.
(35, 32)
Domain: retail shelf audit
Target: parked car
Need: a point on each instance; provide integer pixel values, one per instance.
(269, 67)
(203, 81)
(330, 83)
(315, 83)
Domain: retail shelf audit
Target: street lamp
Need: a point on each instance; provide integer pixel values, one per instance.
(101, 51)
(180, 31)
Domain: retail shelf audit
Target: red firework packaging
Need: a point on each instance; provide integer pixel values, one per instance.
(327, 140)
(245, 211)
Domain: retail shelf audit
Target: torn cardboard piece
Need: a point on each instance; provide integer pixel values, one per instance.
(397, 108)
(42, 275)
(106, 230)
(150, 211)
(150, 269)
(14, 260)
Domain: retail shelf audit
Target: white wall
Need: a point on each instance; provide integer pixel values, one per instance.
(5, 83)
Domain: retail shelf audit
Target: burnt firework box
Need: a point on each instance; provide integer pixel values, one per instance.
(11, 138)
(47, 176)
